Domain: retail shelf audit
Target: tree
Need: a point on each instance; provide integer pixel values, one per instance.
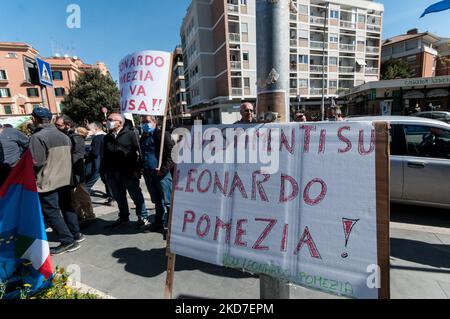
(397, 69)
(89, 93)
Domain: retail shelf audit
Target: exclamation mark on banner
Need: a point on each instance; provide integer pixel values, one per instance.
(348, 227)
(154, 103)
(160, 102)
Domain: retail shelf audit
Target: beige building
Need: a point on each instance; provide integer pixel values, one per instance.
(219, 45)
(18, 96)
(179, 111)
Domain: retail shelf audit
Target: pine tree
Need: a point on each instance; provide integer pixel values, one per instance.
(89, 93)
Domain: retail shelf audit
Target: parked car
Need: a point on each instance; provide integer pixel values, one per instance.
(420, 160)
(435, 115)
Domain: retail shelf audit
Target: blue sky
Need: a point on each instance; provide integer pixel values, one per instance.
(112, 29)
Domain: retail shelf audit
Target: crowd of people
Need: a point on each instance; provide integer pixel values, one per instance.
(67, 168)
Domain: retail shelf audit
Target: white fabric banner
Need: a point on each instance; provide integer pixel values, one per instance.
(144, 80)
(312, 220)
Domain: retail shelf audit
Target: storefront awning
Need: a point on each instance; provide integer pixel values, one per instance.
(414, 95)
(438, 93)
(361, 62)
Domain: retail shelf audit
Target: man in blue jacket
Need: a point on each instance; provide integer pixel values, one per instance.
(158, 178)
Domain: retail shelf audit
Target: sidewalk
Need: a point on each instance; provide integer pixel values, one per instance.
(128, 264)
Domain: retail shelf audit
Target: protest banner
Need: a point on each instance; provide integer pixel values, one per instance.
(145, 86)
(145, 82)
(306, 203)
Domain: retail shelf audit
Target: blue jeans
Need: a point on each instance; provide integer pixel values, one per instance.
(120, 184)
(66, 224)
(160, 189)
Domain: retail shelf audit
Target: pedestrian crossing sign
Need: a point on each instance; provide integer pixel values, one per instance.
(45, 72)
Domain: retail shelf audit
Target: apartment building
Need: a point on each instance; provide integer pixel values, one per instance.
(19, 96)
(443, 59)
(417, 49)
(179, 111)
(340, 38)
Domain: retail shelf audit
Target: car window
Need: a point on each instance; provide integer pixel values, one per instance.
(397, 140)
(427, 141)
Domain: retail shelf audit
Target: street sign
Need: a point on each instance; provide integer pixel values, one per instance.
(45, 72)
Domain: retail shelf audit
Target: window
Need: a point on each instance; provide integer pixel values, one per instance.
(33, 92)
(245, 56)
(303, 59)
(303, 34)
(334, 38)
(333, 84)
(60, 92)
(412, 44)
(244, 2)
(5, 93)
(31, 71)
(425, 141)
(303, 10)
(361, 18)
(11, 55)
(334, 14)
(3, 75)
(412, 59)
(57, 75)
(8, 109)
(244, 27)
(302, 83)
(246, 82)
(333, 60)
(293, 84)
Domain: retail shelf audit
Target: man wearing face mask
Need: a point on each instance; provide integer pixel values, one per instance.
(122, 165)
(158, 180)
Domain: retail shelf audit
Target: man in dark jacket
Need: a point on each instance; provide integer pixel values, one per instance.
(158, 178)
(81, 198)
(12, 145)
(51, 151)
(122, 164)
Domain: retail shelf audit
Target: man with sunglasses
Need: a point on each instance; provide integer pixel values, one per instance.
(247, 113)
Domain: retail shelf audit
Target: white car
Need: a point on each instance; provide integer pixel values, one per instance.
(420, 160)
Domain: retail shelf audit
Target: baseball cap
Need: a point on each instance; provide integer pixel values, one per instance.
(42, 113)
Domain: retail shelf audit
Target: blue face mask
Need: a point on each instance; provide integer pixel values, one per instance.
(148, 128)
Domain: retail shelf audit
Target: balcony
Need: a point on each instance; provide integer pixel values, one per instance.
(372, 71)
(318, 45)
(348, 24)
(347, 47)
(236, 65)
(236, 91)
(316, 68)
(317, 20)
(372, 27)
(346, 69)
(370, 49)
(233, 8)
(317, 91)
(343, 91)
(234, 37)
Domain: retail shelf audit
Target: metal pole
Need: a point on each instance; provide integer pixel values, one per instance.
(272, 44)
(272, 32)
(324, 64)
(44, 99)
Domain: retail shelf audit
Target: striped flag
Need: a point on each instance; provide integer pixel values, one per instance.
(24, 251)
(437, 7)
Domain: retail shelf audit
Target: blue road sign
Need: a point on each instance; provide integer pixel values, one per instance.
(45, 72)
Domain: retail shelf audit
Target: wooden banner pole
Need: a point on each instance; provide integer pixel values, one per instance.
(170, 257)
(383, 206)
(163, 135)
